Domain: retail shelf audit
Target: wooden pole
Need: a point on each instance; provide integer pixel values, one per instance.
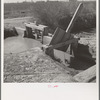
(78, 10)
(42, 35)
(67, 35)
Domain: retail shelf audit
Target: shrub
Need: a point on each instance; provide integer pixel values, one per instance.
(57, 14)
(54, 14)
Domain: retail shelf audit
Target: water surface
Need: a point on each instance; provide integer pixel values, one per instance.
(19, 44)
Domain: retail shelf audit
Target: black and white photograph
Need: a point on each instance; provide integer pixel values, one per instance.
(50, 41)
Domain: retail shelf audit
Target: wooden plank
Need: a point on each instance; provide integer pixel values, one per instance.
(88, 75)
(19, 28)
(49, 49)
(21, 31)
(62, 44)
(64, 57)
(33, 26)
(58, 35)
(29, 32)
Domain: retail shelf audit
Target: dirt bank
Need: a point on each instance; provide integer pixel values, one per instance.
(34, 66)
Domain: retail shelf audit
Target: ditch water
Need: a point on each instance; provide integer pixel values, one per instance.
(19, 44)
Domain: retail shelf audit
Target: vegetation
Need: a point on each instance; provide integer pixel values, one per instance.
(56, 14)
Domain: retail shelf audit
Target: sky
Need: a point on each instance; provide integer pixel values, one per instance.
(9, 1)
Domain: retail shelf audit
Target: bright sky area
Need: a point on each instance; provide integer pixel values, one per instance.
(9, 1)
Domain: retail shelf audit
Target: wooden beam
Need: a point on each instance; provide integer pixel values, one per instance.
(62, 44)
(29, 33)
(33, 26)
(19, 28)
(63, 57)
(57, 37)
(88, 75)
(49, 49)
